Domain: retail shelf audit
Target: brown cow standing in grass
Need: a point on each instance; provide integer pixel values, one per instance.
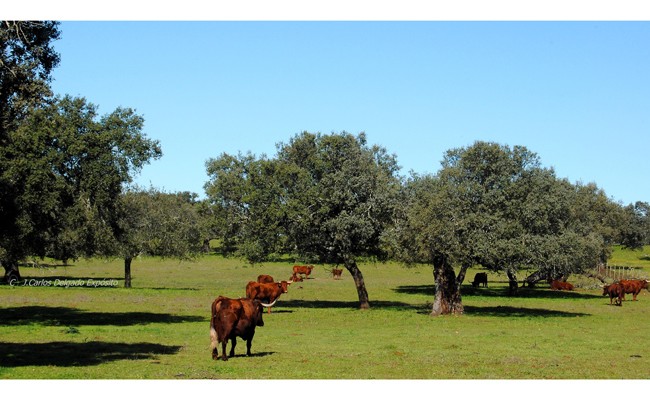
(615, 290)
(633, 286)
(231, 318)
(264, 279)
(303, 269)
(336, 273)
(559, 285)
(267, 292)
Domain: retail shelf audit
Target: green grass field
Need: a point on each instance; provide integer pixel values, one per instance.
(159, 329)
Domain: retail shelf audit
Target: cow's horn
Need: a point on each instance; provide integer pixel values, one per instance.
(290, 282)
(269, 305)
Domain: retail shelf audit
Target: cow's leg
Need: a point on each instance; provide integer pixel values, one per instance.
(249, 343)
(223, 350)
(232, 348)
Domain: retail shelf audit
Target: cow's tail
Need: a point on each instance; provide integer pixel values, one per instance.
(214, 339)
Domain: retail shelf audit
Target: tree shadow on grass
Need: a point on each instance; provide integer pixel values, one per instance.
(377, 304)
(468, 290)
(507, 311)
(67, 316)
(66, 354)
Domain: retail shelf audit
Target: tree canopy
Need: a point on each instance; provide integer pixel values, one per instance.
(494, 206)
(326, 198)
(67, 167)
(155, 223)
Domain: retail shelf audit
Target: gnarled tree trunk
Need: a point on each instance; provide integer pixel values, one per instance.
(351, 266)
(11, 271)
(447, 299)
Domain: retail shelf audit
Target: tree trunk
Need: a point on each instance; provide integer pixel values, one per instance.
(11, 271)
(534, 278)
(351, 266)
(447, 299)
(206, 246)
(127, 272)
(512, 282)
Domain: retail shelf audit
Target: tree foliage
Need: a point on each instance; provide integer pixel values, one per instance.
(496, 206)
(67, 167)
(155, 223)
(27, 59)
(326, 198)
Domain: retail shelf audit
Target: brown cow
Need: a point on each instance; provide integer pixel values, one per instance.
(480, 278)
(295, 278)
(559, 285)
(633, 286)
(336, 273)
(232, 318)
(268, 292)
(615, 290)
(303, 269)
(265, 279)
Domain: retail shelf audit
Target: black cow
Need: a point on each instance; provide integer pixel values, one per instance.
(480, 278)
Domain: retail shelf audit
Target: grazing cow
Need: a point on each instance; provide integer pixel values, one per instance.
(295, 278)
(480, 278)
(615, 290)
(303, 269)
(633, 286)
(268, 292)
(336, 273)
(559, 285)
(232, 318)
(265, 279)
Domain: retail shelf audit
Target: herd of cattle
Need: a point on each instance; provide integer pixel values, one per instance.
(616, 291)
(239, 317)
(232, 318)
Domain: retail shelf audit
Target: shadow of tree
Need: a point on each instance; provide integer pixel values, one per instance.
(507, 311)
(468, 290)
(75, 317)
(66, 354)
(379, 304)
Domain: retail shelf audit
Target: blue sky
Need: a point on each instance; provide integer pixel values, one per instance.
(576, 93)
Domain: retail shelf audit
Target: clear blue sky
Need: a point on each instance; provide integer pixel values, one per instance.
(576, 93)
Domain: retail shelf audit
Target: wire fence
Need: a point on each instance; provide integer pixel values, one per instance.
(616, 273)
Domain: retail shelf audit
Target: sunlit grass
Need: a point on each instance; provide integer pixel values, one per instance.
(159, 328)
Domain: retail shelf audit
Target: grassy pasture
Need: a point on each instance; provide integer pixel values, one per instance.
(159, 328)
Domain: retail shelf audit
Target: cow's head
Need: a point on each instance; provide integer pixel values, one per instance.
(284, 286)
(257, 313)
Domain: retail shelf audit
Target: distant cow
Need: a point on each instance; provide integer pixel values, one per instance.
(559, 285)
(231, 318)
(633, 286)
(267, 292)
(480, 279)
(264, 279)
(615, 290)
(303, 269)
(336, 273)
(295, 278)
